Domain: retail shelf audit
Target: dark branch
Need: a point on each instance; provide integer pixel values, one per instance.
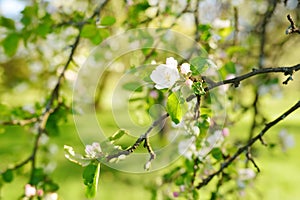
(292, 28)
(143, 137)
(21, 122)
(225, 164)
(236, 81)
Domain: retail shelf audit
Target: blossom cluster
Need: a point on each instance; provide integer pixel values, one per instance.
(32, 191)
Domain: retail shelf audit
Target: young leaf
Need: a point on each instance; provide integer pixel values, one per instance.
(91, 32)
(74, 157)
(52, 125)
(88, 31)
(90, 176)
(118, 135)
(198, 65)
(8, 176)
(217, 153)
(38, 176)
(7, 22)
(10, 44)
(174, 108)
(108, 21)
(133, 86)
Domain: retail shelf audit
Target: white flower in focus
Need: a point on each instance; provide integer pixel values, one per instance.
(185, 68)
(51, 196)
(165, 75)
(93, 150)
(30, 191)
(246, 174)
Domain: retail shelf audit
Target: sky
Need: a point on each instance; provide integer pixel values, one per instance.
(11, 8)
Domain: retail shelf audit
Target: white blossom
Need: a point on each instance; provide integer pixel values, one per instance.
(30, 190)
(221, 23)
(151, 12)
(93, 150)
(196, 130)
(165, 75)
(172, 62)
(153, 2)
(185, 68)
(51, 196)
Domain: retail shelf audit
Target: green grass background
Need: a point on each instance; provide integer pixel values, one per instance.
(279, 177)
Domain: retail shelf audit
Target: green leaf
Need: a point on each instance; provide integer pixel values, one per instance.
(90, 177)
(8, 176)
(217, 154)
(174, 108)
(28, 13)
(74, 157)
(133, 86)
(198, 65)
(52, 125)
(50, 186)
(118, 135)
(230, 67)
(88, 31)
(108, 21)
(206, 111)
(38, 176)
(45, 25)
(43, 29)
(97, 38)
(232, 50)
(91, 32)
(205, 30)
(8, 23)
(104, 33)
(26, 20)
(10, 44)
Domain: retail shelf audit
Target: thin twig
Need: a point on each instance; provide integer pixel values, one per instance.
(21, 122)
(142, 138)
(225, 164)
(250, 158)
(292, 28)
(236, 81)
